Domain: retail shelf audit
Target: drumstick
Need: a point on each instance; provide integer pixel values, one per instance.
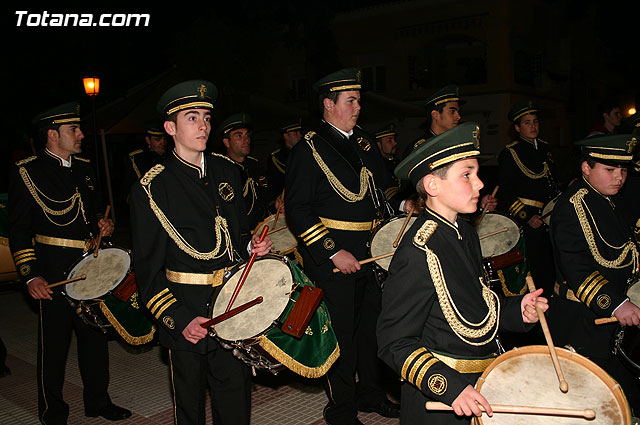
(603, 320)
(106, 213)
(245, 272)
(276, 230)
(588, 414)
(404, 226)
(231, 313)
(64, 282)
(484, 211)
(504, 229)
(368, 260)
(564, 387)
(275, 221)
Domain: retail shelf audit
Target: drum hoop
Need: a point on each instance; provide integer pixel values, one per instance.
(609, 382)
(282, 217)
(88, 253)
(383, 223)
(518, 226)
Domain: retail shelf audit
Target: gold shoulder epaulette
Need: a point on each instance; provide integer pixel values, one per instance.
(418, 143)
(223, 157)
(424, 233)
(151, 174)
(511, 144)
(136, 152)
(79, 158)
(276, 151)
(24, 161)
(309, 135)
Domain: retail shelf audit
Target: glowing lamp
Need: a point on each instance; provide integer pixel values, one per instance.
(91, 85)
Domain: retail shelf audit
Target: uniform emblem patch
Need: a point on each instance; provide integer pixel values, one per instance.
(437, 384)
(226, 191)
(263, 181)
(522, 214)
(25, 269)
(168, 322)
(603, 301)
(89, 182)
(364, 144)
(329, 244)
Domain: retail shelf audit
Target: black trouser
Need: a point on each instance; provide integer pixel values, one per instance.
(354, 306)
(57, 318)
(229, 384)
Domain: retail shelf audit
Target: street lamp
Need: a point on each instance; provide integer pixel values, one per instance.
(91, 86)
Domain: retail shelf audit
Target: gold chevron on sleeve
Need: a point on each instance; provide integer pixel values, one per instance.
(423, 372)
(595, 291)
(409, 360)
(164, 307)
(515, 208)
(310, 229)
(25, 259)
(23, 252)
(588, 282)
(156, 296)
(159, 303)
(417, 365)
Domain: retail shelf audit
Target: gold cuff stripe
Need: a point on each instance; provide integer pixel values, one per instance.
(391, 192)
(347, 225)
(156, 296)
(346, 87)
(417, 365)
(317, 238)
(595, 291)
(424, 371)
(614, 157)
(24, 260)
(190, 106)
(213, 279)
(532, 202)
(590, 288)
(410, 359)
(22, 251)
(165, 307)
(314, 233)
(310, 229)
(513, 208)
(26, 254)
(465, 365)
(586, 282)
(161, 301)
(66, 243)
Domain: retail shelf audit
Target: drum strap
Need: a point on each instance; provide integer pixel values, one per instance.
(85, 245)
(347, 225)
(215, 278)
(472, 365)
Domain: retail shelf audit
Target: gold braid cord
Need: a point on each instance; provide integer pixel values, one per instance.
(36, 192)
(220, 225)
(527, 172)
(340, 189)
(455, 319)
(628, 248)
(250, 185)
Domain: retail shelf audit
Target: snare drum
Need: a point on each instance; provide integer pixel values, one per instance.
(255, 336)
(383, 237)
(108, 298)
(548, 209)
(284, 242)
(627, 345)
(525, 376)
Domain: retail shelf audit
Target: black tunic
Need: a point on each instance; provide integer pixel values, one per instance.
(277, 168)
(139, 162)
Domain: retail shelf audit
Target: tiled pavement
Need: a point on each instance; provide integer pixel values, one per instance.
(139, 381)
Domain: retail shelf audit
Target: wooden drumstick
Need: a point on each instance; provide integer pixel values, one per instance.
(504, 229)
(275, 221)
(404, 226)
(231, 313)
(276, 230)
(588, 414)
(369, 260)
(245, 272)
(106, 214)
(604, 320)
(484, 211)
(564, 387)
(64, 282)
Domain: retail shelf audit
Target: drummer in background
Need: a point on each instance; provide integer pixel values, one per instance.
(595, 258)
(527, 183)
(141, 160)
(235, 132)
(436, 287)
(54, 201)
(333, 193)
(631, 189)
(443, 109)
(277, 164)
(189, 224)
(386, 141)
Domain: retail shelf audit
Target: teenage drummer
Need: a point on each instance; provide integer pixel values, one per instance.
(189, 224)
(596, 258)
(53, 200)
(527, 182)
(439, 318)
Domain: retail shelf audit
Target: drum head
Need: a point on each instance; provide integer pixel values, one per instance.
(104, 273)
(634, 293)
(270, 278)
(548, 209)
(384, 236)
(283, 240)
(526, 377)
(502, 242)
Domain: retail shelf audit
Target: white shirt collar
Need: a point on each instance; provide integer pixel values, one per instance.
(202, 162)
(64, 162)
(344, 133)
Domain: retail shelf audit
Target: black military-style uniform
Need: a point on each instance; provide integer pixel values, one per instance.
(276, 169)
(326, 223)
(255, 189)
(526, 179)
(414, 336)
(193, 203)
(36, 183)
(589, 287)
(139, 162)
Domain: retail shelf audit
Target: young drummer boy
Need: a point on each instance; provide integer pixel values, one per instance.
(439, 318)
